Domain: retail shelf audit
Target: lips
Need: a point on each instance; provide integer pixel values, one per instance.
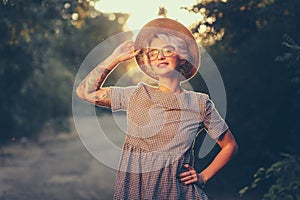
(162, 64)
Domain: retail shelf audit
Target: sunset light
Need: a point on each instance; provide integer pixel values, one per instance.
(140, 12)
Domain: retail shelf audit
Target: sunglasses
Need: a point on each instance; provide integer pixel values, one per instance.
(167, 51)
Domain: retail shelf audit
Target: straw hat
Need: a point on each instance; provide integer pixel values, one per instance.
(172, 27)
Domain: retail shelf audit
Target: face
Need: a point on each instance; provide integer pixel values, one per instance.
(163, 58)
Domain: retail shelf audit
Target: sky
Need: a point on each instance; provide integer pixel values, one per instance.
(142, 11)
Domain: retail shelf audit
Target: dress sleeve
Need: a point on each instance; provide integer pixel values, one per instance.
(214, 124)
(120, 97)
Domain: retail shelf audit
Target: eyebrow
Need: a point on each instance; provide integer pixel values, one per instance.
(162, 47)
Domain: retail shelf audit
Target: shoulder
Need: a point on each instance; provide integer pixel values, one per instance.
(130, 87)
(200, 96)
(142, 86)
(131, 90)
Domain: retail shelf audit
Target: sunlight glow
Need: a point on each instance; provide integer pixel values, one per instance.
(143, 11)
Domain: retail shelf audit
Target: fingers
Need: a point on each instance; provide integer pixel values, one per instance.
(128, 47)
(125, 51)
(190, 176)
(189, 167)
(192, 181)
(131, 54)
(136, 52)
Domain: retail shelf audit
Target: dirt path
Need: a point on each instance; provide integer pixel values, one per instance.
(58, 167)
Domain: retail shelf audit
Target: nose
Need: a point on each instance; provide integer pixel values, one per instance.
(161, 55)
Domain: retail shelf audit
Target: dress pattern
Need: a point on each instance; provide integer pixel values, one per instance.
(161, 128)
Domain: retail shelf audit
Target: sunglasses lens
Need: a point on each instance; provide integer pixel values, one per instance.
(153, 54)
(166, 51)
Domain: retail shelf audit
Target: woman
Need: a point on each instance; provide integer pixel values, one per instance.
(157, 156)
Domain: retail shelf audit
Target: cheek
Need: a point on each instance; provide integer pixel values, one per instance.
(152, 63)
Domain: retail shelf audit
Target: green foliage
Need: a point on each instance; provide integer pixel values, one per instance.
(209, 29)
(284, 177)
(292, 58)
(42, 45)
(26, 82)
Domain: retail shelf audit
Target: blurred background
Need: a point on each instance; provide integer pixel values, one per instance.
(254, 43)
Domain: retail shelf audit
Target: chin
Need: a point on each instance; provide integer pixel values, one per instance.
(170, 74)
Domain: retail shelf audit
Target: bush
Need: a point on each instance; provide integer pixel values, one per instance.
(283, 176)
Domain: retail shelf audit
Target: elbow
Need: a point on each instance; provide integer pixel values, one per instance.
(231, 149)
(233, 144)
(234, 148)
(80, 93)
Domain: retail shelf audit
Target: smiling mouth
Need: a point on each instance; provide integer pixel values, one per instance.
(163, 64)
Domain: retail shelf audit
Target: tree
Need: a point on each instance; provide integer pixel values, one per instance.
(37, 70)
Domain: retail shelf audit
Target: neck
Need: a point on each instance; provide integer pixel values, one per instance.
(170, 85)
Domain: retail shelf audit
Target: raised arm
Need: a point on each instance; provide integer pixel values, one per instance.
(90, 89)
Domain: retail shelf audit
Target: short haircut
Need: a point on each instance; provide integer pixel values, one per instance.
(178, 43)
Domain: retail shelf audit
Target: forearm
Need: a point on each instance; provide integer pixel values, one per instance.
(219, 161)
(96, 77)
(90, 88)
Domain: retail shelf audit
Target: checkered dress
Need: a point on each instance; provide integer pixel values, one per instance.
(161, 128)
